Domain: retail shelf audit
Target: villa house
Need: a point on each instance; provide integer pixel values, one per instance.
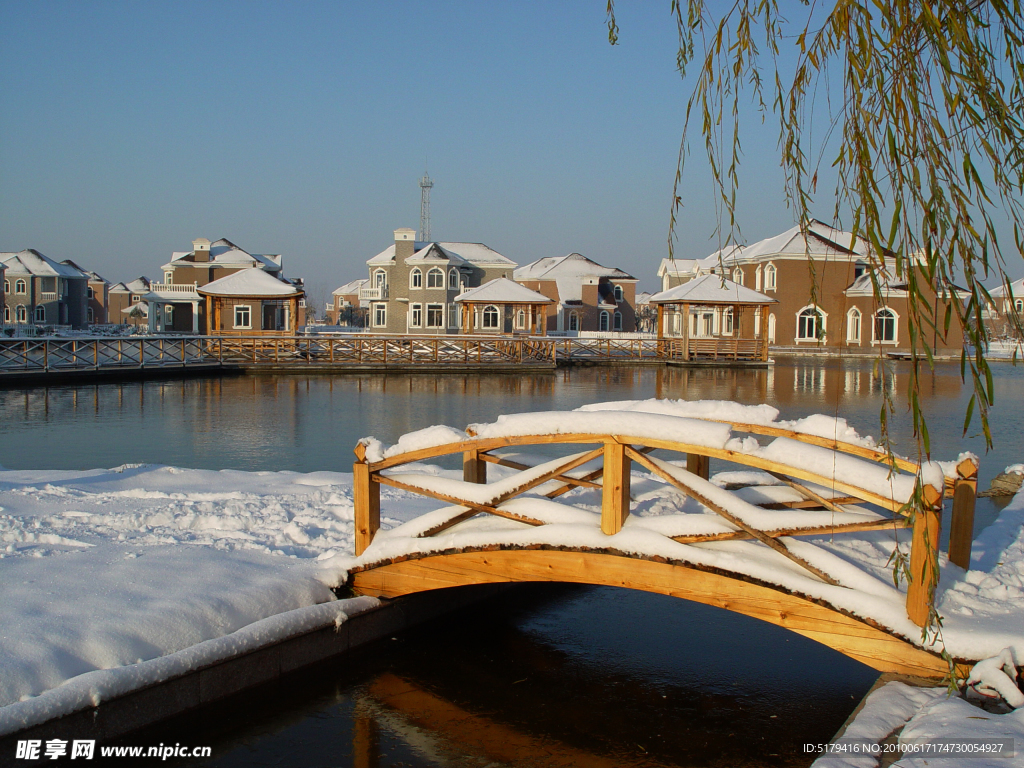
(96, 292)
(126, 304)
(826, 299)
(176, 304)
(345, 308)
(413, 285)
(41, 291)
(587, 295)
(998, 316)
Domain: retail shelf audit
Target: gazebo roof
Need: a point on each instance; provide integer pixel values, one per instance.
(711, 289)
(504, 291)
(249, 282)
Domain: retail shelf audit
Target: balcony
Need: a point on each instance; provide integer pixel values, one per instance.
(379, 293)
(174, 291)
(48, 296)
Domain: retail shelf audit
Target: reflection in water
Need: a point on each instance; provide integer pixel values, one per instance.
(549, 675)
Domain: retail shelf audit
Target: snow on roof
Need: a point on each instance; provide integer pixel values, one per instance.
(1016, 289)
(644, 297)
(249, 282)
(226, 253)
(142, 306)
(352, 286)
(568, 272)
(504, 291)
(32, 262)
(476, 254)
(434, 253)
(94, 276)
(711, 289)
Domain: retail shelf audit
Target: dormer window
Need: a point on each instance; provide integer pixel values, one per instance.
(618, 293)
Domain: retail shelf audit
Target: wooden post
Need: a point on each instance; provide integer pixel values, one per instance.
(961, 526)
(367, 501)
(698, 465)
(474, 469)
(661, 321)
(615, 493)
(686, 331)
(924, 557)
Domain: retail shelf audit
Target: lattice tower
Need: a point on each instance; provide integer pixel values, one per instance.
(425, 184)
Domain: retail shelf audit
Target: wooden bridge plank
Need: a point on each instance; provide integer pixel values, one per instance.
(857, 639)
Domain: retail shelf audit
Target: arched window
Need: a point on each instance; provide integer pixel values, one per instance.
(727, 321)
(490, 316)
(21, 314)
(40, 314)
(453, 279)
(520, 320)
(380, 279)
(90, 315)
(416, 278)
(771, 328)
(757, 278)
(853, 318)
(19, 286)
(574, 321)
(618, 293)
(810, 324)
(603, 321)
(885, 326)
(7, 286)
(1018, 304)
(770, 274)
(7, 314)
(737, 276)
(618, 321)
(435, 278)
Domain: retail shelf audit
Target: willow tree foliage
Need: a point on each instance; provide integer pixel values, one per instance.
(912, 108)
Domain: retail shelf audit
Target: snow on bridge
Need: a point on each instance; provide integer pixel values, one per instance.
(802, 535)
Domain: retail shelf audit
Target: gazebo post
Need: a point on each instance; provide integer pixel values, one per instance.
(686, 332)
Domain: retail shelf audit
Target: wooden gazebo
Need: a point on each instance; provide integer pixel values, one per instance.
(711, 317)
(251, 302)
(504, 307)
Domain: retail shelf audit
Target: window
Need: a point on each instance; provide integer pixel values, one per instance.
(21, 314)
(168, 278)
(415, 315)
(136, 298)
(770, 274)
(40, 314)
(574, 321)
(435, 278)
(435, 315)
(416, 278)
(757, 278)
(727, 322)
(90, 292)
(737, 276)
(19, 286)
(380, 279)
(7, 286)
(453, 279)
(618, 321)
(810, 324)
(853, 326)
(1018, 304)
(90, 315)
(885, 327)
(7, 314)
(520, 320)
(453, 315)
(490, 316)
(380, 315)
(603, 321)
(618, 293)
(243, 316)
(771, 328)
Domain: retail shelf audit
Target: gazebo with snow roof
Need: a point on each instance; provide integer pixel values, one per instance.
(711, 317)
(504, 307)
(251, 302)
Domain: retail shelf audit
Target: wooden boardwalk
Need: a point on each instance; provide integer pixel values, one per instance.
(850, 498)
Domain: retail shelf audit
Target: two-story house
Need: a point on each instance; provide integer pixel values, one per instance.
(96, 293)
(345, 307)
(413, 285)
(126, 303)
(41, 291)
(589, 296)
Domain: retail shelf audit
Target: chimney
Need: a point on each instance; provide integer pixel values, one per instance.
(201, 249)
(405, 244)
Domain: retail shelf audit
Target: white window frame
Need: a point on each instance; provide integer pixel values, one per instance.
(238, 309)
(894, 316)
(21, 314)
(40, 310)
(380, 279)
(737, 276)
(416, 278)
(574, 322)
(854, 325)
(728, 321)
(771, 277)
(453, 315)
(7, 314)
(771, 327)
(433, 280)
(453, 280)
(604, 321)
(520, 320)
(415, 315)
(818, 337)
(1018, 305)
(757, 278)
(485, 313)
(168, 278)
(437, 309)
(20, 286)
(380, 315)
(617, 292)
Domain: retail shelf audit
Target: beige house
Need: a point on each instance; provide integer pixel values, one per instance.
(413, 285)
(251, 302)
(587, 295)
(345, 307)
(41, 291)
(503, 307)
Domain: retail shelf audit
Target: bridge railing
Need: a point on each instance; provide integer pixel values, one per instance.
(606, 464)
(63, 354)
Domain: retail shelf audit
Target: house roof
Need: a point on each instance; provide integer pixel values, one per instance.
(32, 262)
(249, 282)
(138, 285)
(504, 291)
(476, 254)
(226, 254)
(352, 286)
(93, 276)
(142, 306)
(1016, 290)
(711, 289)
(433, 253)
(568, 272)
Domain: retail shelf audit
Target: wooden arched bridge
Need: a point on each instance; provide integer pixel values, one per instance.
(748, 548)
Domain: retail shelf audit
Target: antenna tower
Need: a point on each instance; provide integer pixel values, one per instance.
(425, 184)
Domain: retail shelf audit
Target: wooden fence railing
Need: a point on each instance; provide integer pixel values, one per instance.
(616, 454)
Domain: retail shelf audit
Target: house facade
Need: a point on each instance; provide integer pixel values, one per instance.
(587, 296)
(826, 300)
(41, 291)
(96, 294)
(1003, 316)
(345, 307)
(413, 285)
(126, 304)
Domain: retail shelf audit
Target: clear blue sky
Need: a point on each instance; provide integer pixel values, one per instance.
(302, 128)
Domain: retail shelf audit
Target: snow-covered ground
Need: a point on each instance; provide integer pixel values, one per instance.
(114, 578)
